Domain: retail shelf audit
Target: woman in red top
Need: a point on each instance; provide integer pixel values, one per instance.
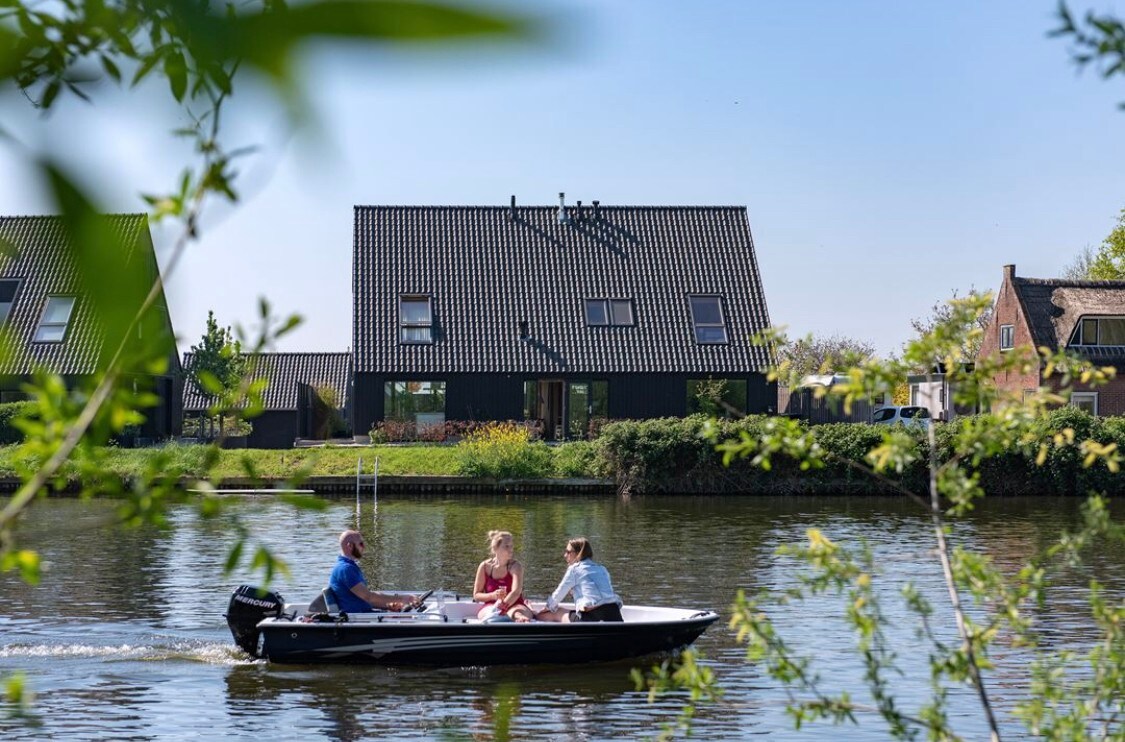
(500, 580)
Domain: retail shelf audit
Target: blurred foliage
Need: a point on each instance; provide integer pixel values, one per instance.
(1108, 263)
(198, 48)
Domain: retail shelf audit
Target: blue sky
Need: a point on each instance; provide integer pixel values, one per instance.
(887, 152)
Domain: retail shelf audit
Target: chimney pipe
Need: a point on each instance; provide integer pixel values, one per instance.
(597, 212)
(578, 211)
(563, 218)
(512, 208)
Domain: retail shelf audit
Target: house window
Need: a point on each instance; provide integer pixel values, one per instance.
(597, 313)
(602, 312)
(1007, 337)
(416, 319)
(7, 298)
(1099, 331)
(1085, 401)
(56, 317)
(420, 402)
(717, 397)
(707, 317)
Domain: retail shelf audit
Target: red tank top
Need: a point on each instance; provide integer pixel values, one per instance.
(492, 584)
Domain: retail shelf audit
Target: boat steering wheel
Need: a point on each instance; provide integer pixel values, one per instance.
(418, 605)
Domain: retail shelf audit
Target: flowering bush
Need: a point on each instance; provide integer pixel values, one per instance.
(503, 451)
(397, 431)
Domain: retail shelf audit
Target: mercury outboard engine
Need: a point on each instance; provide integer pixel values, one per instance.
(248, 606)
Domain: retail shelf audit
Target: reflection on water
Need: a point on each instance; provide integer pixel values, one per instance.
(124, 638)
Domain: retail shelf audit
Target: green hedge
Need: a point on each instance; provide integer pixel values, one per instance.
(9, 411)
(670, 455)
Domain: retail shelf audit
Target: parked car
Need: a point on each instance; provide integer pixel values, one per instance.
(906, 415)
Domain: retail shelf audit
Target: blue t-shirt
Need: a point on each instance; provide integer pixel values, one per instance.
(346, 575)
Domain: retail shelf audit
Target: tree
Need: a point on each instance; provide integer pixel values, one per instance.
(940, 315)
(1079, 268)
(218, 368)
(984, 605)
(821, 355)
(1109, 261)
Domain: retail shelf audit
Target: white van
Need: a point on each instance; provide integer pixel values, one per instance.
(907, 415)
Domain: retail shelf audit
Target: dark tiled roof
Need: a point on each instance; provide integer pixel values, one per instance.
(285, 371)
(487, 272)
(44, 262)
(1054, 306)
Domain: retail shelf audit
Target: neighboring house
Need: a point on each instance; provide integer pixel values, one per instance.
(1084, 317)
(71, 321)
(294, 407)
(934, 391)
(556, 314)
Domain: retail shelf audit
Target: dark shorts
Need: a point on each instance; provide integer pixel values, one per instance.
(607, 612)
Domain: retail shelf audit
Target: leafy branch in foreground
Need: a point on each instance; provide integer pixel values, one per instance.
(983, 603)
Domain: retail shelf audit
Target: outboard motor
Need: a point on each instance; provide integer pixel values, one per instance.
(248, 606)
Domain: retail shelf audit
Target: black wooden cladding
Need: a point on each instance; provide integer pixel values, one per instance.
(500, 396)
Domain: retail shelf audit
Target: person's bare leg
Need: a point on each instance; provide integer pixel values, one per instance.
(546, 615)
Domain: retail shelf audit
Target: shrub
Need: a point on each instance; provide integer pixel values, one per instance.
(503, 451)
(575, 459)
(9, 411)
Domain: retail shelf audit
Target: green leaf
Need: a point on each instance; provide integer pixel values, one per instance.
(111, 68)
(175, 69)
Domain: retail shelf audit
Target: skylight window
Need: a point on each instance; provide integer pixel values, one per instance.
(56, 317)
(707, 317)
(602, 312)
(416, 319)
(7, 297)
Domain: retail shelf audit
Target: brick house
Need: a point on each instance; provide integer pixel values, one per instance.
(1084, 317)
(561, 315)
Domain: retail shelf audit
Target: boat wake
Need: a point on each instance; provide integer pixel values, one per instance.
(207, 652)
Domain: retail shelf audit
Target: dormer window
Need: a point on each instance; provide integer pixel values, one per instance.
(416, 319)
(8, 288)
(56, 317)
(1099, 331)
(603, 312)
(707, 318)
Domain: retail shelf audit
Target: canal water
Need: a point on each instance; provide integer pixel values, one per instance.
(124, 637)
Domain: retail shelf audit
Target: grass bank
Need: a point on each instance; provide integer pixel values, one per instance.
(421, 459)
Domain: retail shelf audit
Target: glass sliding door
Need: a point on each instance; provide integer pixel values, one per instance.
(578, 409)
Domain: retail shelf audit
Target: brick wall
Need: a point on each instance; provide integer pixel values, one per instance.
(1008, 311)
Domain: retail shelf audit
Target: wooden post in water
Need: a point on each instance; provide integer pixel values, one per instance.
(358, 473)
(375, 493)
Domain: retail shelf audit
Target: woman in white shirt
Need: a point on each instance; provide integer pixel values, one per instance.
(594, 599)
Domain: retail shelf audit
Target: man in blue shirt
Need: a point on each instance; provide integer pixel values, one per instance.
(350, 586)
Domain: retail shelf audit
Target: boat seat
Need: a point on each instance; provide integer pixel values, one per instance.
(324, 603)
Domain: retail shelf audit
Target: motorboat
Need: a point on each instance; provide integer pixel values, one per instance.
(445, 631)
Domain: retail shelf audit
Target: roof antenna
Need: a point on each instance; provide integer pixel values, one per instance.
(563, 217)
(512, 208)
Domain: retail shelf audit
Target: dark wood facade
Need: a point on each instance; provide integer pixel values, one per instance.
(502, 396)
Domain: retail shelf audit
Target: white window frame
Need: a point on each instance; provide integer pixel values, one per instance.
(64, 324)
(1010, 332)
(1085, 396)
(427, 324)
(696, 324)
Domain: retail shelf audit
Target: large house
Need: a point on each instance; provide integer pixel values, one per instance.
(1084, 317)
(66, 305)
(558, 314)
(307, 396)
